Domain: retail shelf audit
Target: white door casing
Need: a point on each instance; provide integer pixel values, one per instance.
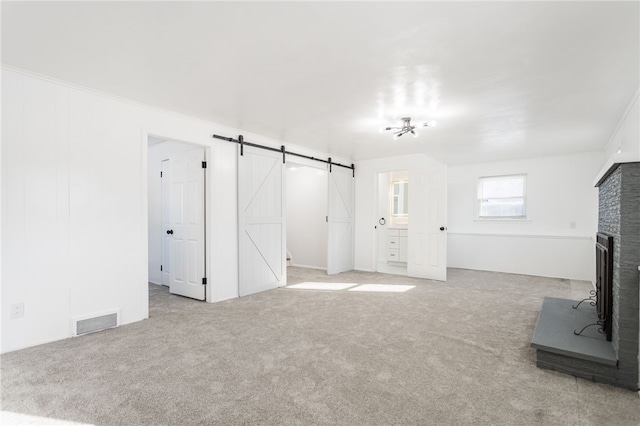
(340, 255)
(427, 215)
(187, 216)
(261, 221)
(165, 261)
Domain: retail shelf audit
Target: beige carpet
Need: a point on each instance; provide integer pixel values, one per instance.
(439, 354)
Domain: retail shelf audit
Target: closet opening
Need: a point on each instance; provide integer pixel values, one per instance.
(306, 215)
(176, 193)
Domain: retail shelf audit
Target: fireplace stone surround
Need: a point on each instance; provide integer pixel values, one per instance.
(590, 355)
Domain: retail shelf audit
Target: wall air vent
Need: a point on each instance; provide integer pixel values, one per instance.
(96, 323)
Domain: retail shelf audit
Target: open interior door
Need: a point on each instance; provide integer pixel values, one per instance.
(186, 216)
(340, 257)
(165, 174)
(261, 225)
(427, 223)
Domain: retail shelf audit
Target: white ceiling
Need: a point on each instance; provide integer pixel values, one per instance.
(503, 79)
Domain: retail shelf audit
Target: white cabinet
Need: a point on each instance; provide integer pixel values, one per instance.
(403, 248)
(397, 242)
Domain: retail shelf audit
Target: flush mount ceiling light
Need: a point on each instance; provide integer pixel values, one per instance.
(407, 127)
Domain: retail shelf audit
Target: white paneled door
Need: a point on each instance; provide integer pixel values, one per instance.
(340, 256)
(261, 221)
(187, 231)
(427, 221)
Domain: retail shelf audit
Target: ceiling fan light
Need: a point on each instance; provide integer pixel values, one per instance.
(414, 133)
(397, 135)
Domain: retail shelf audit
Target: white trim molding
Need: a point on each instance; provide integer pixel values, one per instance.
(554, 237)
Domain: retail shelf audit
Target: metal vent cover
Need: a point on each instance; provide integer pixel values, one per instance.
(90, 325)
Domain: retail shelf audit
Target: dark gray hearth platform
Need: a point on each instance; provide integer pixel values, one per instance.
(554, 332)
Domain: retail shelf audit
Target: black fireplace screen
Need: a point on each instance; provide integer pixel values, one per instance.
(604, 281)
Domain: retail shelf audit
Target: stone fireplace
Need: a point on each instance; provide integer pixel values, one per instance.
(589, 354)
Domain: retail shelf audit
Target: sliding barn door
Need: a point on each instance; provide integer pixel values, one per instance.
(261, 224)
(340, 257)
(186, 216)
(427, 221)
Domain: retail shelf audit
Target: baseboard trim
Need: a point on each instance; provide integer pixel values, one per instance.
(364, 269)
(320, 268)
(549, 237)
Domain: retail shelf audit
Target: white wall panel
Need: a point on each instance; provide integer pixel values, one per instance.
(86, 234)
(14, 247)
(223, 232)
(541, 255)
(41, 230)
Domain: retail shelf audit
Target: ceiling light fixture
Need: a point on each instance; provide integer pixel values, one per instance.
(407, 127)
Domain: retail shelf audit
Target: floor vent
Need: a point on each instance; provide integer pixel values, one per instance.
(90, 325)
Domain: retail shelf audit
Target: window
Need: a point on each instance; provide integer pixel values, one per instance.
(502, 197)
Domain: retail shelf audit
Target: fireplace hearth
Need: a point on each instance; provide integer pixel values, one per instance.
(598, 338)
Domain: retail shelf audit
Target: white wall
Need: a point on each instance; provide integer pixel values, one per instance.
(556, 240)
(74, 205)
(306, 201)
(626, 137)
(157, 153)
(624, 144)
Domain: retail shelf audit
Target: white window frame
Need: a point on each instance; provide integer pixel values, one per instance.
(479, 198)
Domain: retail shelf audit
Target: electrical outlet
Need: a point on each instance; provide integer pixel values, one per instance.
(17, 310)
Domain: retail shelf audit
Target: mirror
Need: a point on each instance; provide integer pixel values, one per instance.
(400, 202)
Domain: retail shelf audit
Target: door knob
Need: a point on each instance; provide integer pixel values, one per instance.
(170, 232)
(442, 228)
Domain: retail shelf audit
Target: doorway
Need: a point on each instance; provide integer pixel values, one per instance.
(423, 214)
(307, 200)
(393, 206)
(176, 216)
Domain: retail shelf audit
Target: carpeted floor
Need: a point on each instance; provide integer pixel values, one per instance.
(439, 354)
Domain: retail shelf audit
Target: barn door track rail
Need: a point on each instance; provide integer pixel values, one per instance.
(284, 152)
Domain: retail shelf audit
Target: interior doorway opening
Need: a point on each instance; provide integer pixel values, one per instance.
(392, 248)
(306, 213)
(177, 216)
